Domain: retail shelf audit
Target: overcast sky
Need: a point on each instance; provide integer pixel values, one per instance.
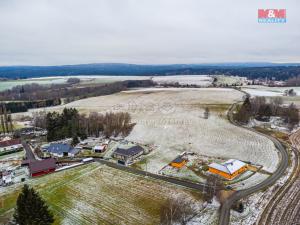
(56, 32)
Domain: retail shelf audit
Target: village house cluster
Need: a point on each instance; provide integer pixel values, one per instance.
(32, 156)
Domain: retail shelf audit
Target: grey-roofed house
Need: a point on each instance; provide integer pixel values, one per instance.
(61, 150)
(128, 155)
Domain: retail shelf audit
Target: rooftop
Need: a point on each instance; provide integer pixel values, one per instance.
(178, 160)
(130, 151)
(11, 142)
(41, 165)
(230, 166)
(60, 148)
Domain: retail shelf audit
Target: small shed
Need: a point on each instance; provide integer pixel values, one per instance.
(100, 148)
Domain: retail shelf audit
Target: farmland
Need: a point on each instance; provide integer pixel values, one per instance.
(171, 120)
(258, 90)
(89, 195)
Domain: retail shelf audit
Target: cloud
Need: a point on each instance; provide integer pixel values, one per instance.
(49, 32)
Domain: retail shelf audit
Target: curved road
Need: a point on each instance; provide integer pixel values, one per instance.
(224, 218)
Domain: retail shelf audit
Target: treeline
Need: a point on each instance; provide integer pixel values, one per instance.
(24, 97)
(269, 72)
(259, 108)
(293, 81)
(6, 120)
(15, 107)
(250, 70)
(34, 92)
(71, 124)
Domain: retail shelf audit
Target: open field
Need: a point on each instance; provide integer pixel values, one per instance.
(201, 80)
(4, 85)
(258, 90)
(171, 120)
(89, 195)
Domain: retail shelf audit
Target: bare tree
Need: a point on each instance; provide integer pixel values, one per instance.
(213, 185)
(275, 104)
(39, 119)
(10, 123)
(178, 211)
(257, 103)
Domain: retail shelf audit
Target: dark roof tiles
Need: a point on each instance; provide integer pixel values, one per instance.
(130, 151)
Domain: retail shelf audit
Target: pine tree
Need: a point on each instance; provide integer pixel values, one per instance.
(31, 209)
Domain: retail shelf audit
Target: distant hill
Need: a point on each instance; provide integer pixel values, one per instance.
(251, 70)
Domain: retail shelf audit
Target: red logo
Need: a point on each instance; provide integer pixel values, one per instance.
(272, 15)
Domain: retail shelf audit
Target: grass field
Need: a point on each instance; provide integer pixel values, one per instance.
(96, 194)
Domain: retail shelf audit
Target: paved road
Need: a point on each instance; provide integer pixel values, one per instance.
(224, 217)
(195, 186)
(29, 153)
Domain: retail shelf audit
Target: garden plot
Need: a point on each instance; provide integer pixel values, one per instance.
(89, 195)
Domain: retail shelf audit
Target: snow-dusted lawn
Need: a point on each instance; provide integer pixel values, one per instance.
(97, 194)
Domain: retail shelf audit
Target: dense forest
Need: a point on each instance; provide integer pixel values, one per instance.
(71, 124)
(250, 70)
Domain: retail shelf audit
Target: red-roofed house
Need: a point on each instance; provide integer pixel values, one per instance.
(42, 167)
(12, 145)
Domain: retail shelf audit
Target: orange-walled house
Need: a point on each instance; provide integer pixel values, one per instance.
(229, 169)
(178, 162)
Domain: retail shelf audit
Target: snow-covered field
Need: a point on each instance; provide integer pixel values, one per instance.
(258, 90)
(201, 80)
(230, 80)
(172, 120)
